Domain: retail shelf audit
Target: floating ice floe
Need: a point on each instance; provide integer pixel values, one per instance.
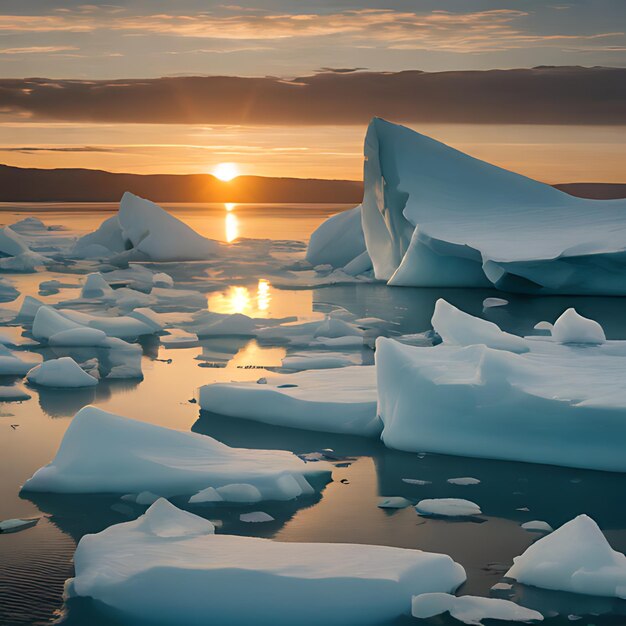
(13, 365)
(61, 373)
(178, 338)
(489, 303)
(394, 502)
(170, 561)
(105, 453)
(255, 517)
(435, 217)
(142, 230)
(485, 393)
(575, 557)
(464, 480)
(48, 322)
(537, 526)
(447, 507)
(15, 254)
(13, 393)
(15, 525)
(339, 401)
(471, 609)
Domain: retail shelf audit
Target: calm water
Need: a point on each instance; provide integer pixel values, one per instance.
(35, 563)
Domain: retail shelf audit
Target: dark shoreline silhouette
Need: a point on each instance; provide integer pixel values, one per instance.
(84, 185)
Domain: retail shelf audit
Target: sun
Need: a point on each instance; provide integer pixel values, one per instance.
(226, 171)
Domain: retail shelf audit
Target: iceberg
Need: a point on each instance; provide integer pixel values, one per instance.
(576, 558)
(106, 453)
(142, 230)
(435, 217)
(471, 609)
(493, 395)
(337, 400)
(169, 563)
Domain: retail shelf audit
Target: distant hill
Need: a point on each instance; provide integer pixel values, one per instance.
(82, 185)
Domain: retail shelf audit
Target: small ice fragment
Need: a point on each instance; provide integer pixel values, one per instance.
(447, 507)
(206, 495)
(256, 517)
(502, 587)
(15, 525)
(471, 609)
(393, 502)
(465, 480)
(491, 302)
(538, 526)
(416, 481)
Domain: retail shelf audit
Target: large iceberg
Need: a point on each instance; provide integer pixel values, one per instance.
(143, 230)
(339, 401)
(170, 563)
(485, 395)
(435, 217)
(576, 558)
(106, 453)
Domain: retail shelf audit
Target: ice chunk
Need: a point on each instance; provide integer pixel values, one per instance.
(15, 255)
(394, 502)
(206, 495)
(146, 498)
(339, 401)
(96, 287)
(62, 373)
(15, 525)
(471, 609)
(416, 481)
(465, 480)
(106, 453)
(577, 558)
(479, 402)
(161, 279)
(447, 507)
(29, 308)
(457, 328)
(332, 328)
(208, 324)
(424, 215)
(13, 394)
(538, 526)
(574, 328)
(147, 231)
(489, 303)
(169, 561)
(12, 365)
(255, 517)
(338, 241)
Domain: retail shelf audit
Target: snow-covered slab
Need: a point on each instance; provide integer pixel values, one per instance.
(471, 610)
(106, 453)
(169, 563)
(577, 558)
(435, 217)
(485, 393)
(339, 401)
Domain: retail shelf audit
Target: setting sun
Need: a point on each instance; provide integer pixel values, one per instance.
(226, 171)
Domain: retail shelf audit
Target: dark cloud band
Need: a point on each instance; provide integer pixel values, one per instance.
(544, 95)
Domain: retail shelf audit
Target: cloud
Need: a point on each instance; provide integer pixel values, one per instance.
(37, 50)
(33, 149)
(542, 95)
(477, 31)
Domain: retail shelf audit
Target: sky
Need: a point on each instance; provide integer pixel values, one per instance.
(285, 88)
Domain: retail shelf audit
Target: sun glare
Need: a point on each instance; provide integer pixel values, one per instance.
(226, 171)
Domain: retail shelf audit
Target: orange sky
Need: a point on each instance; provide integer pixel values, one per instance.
(549, 153)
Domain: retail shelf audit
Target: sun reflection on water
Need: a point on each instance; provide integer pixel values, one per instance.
(240, 299)
(231, 225)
